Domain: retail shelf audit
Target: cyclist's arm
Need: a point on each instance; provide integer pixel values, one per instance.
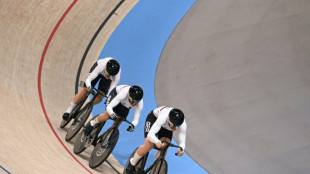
(154, 130)
(116, 100)
(137, 113)
(115, 81)
(93, 75)
(180, 135)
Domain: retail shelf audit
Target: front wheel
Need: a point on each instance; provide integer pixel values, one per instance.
(140, 165)
(82, 141)
(161, 167)
(79, 121)
(104, 148)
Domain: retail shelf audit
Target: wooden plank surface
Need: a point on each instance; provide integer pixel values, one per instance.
(28, 144)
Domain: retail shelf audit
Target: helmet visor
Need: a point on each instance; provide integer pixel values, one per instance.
(173, 125)
(132, 101)
(109, 73)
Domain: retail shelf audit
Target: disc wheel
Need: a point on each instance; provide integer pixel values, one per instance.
(140, 165)
(104, 148)
(82, 141)
(79, 121)
(161, 167)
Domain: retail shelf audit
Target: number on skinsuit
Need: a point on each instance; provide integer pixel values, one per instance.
(108, 100)
(147, 126)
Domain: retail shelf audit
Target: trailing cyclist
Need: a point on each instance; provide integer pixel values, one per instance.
(161, 124)
(119, 102)
(108, 71)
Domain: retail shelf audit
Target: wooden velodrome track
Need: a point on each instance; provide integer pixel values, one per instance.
(42, 44)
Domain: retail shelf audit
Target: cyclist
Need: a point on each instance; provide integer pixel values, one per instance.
(119, 101)
(160, 125)
(108, 71)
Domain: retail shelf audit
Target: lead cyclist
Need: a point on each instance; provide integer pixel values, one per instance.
(161, 124)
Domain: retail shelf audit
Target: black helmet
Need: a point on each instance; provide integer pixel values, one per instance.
(176, 117)
(112, 67)
(135, 92)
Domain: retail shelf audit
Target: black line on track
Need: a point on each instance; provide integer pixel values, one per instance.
(86, 52)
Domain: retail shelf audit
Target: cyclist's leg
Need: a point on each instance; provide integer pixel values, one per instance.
(148, 145)
(163, 139)
(103, 117)
(79, 96)
(83, 92)
(164, 135)
(145, 148)
(141, 151)
(103, 87)
(99, 119)
(98, 98)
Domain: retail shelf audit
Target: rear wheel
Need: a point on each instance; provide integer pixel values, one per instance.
(80, 143)
(104, 148)
(79, 121)
(161, 167)
(73, 114)
(65, 122)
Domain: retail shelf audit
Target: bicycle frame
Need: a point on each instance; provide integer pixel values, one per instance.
(95, 92)
(117, 122)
